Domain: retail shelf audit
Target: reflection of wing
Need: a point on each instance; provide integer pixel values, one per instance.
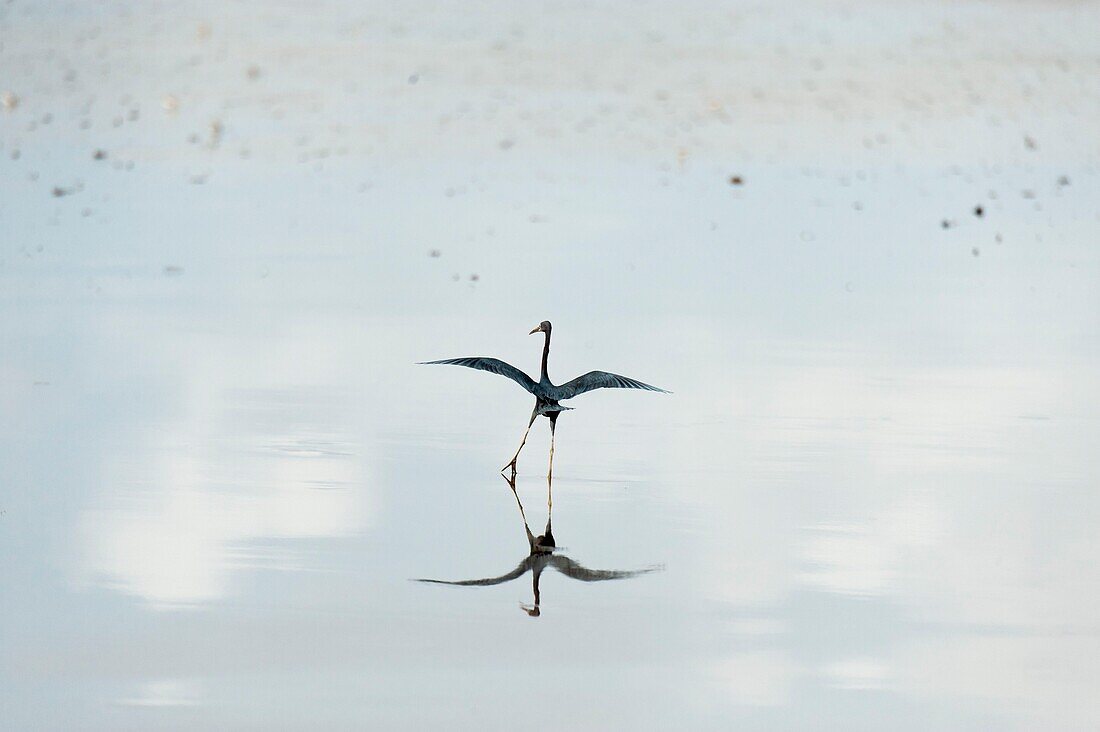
(601, 380)
(519, 571)
(492, 365)
(569, 568)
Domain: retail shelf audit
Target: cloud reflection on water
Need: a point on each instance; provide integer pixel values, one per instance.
(902, 522)
(216, 486)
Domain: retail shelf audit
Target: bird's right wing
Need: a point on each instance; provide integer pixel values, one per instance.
(602, 380)
(493, 366)
(517, 572)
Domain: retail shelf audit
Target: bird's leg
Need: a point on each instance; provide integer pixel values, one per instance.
(512, 464)
(550, 471)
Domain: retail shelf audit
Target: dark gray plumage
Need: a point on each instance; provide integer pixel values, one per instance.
(600, 380)
(493, 366)
(547, 395)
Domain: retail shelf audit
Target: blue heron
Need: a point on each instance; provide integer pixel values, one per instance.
(546, 394)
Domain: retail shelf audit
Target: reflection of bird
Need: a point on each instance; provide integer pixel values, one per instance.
(546, 394)
(541, 555)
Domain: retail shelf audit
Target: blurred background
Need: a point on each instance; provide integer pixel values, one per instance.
(858, 241)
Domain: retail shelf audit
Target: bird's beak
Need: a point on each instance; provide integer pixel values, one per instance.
(536, 329)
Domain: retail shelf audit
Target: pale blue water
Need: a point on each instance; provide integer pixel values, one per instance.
(871, 498)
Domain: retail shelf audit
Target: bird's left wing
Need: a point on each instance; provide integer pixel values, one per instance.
(570, 568)
(602, 380)
(492, 365)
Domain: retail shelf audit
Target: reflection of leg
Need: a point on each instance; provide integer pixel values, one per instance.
(553, 424)
(534, 610)
(548, 533)
(512, 464)
(530, 537)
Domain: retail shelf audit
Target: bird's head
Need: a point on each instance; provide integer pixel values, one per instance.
(543, 327)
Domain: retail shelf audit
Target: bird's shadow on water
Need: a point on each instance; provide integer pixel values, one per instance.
(543, 552)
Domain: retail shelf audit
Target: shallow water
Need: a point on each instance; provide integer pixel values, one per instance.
(870, 501)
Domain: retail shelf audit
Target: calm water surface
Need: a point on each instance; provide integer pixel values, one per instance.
(870, 503)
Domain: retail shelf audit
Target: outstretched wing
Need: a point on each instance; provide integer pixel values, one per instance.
(602, 380)
(492, 365)
(517, 572)
(569, 568)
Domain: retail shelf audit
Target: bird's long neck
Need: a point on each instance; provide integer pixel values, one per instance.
(545, 357)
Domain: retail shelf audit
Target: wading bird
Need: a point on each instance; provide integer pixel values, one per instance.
(541, 554)
(546, 394)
